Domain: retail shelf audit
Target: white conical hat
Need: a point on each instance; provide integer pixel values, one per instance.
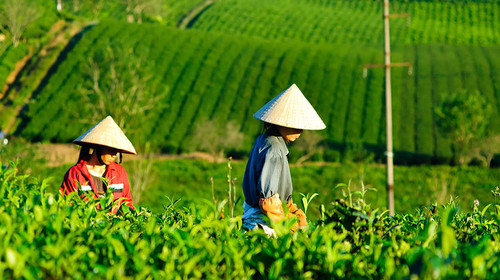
(106, 133)
(291, 109)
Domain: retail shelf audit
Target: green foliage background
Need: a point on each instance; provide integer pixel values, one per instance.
(236, 56)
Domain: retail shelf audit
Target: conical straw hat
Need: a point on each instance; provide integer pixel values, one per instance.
(291, 109)
(106, 133)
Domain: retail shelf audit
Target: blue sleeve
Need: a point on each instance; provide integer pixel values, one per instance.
(271, 175)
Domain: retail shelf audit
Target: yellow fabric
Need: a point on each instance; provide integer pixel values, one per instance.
(272, 207)
(295, 211)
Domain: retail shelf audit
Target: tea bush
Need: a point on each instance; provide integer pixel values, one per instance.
(46, 235)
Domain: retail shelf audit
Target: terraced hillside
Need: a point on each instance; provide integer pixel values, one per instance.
(22, 64)
(36, 29)
(358, 21)
(227, 74)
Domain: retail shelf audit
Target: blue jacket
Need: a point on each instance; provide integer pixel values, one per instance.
(267, 171)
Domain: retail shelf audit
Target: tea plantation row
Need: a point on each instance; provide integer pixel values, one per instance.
(45, 235)
(199, 75)
(358, 22)
(167, 12)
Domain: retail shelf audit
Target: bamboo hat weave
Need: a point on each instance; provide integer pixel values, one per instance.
(291, 109)
(107, 133)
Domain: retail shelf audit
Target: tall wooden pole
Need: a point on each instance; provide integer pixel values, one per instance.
(388, 104)
(388, 110)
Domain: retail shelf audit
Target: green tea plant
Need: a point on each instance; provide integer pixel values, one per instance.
(47, 235)
(360, 202)
(306, 200)
(495, 193)
(232, 198)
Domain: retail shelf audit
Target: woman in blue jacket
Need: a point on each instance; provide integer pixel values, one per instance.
(267, 183)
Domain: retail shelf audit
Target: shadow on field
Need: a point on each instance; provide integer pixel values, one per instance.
(359, 152)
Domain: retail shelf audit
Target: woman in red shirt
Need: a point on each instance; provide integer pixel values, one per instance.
(97, 172)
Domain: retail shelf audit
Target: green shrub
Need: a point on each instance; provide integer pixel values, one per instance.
(46, 235)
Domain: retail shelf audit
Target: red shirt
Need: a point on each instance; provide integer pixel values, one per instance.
(78, 179)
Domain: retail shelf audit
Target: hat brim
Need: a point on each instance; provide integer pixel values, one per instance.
(80, 143)
(291, 109)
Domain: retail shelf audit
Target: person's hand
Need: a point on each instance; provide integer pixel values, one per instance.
(267, 230)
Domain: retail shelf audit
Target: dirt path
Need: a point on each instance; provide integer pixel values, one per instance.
(12, 75)
(30, 72)
(185, 22)
(60, 154)
(22, 64)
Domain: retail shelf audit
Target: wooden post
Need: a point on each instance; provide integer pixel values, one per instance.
(388, 110)
(388, 102)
